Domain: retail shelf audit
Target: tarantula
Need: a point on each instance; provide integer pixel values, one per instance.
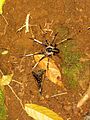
(50, 49)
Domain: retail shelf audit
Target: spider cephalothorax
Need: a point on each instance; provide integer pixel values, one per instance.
(50, 50)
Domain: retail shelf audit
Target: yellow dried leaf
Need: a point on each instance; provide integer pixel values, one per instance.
(6, 79)
(1, 5)
(53, 73)
(41, 113)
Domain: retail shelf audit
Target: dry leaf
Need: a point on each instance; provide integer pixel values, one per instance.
(41, 113)
(53, 73)
(6, 79)
(1, 5)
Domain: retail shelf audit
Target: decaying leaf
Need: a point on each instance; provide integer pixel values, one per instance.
(53, 73)
(41, 113)
(6, 79)
(38, 77)
(1, 5)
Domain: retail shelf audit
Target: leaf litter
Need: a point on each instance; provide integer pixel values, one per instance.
(53, 73)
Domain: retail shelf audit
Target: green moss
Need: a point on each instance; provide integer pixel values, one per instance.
(62, 31)
(2, 106)
(71, 65)
(72, 68)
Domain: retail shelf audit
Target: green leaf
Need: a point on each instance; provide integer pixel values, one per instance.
(41, 113)
(1, 5)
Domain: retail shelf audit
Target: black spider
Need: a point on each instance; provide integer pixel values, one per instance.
(50, 49)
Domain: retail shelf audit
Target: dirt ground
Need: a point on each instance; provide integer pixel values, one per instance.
(73, 14)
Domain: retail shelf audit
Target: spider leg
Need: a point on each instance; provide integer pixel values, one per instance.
(38, 62)
(35, 40)
(29, 55)
(54, 37)
(63, 41)
(48, 64)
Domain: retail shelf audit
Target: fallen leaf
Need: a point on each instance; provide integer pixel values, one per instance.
(53, 73)
(1, 5)
(6, 79)
(41, 113)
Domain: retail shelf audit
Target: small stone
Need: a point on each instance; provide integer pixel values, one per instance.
(67, 108)
(47, 96)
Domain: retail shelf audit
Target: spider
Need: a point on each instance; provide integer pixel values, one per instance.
(50, 49)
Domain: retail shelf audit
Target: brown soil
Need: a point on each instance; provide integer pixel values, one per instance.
(74, 14)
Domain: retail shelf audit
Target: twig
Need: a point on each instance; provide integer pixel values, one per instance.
(6, 23)
(17, 82)
(21, 28)
(84, 98)
(27, 23)
(59, 94)
(16, 96)
(86, 95)
(47, 27)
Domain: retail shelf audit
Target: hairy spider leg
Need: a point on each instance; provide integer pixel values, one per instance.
(38, 62)
(54, 37)
(48, 64)
(29, 55)
(63, 41)
(35, 40)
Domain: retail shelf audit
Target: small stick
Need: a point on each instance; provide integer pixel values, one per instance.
(16, 96)
(38, 41)
(47, 28)
(6, 23)
(84, 98)
(21, 28)
(27, 23)
(17, 82)
(59, 94)
(63, 41)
